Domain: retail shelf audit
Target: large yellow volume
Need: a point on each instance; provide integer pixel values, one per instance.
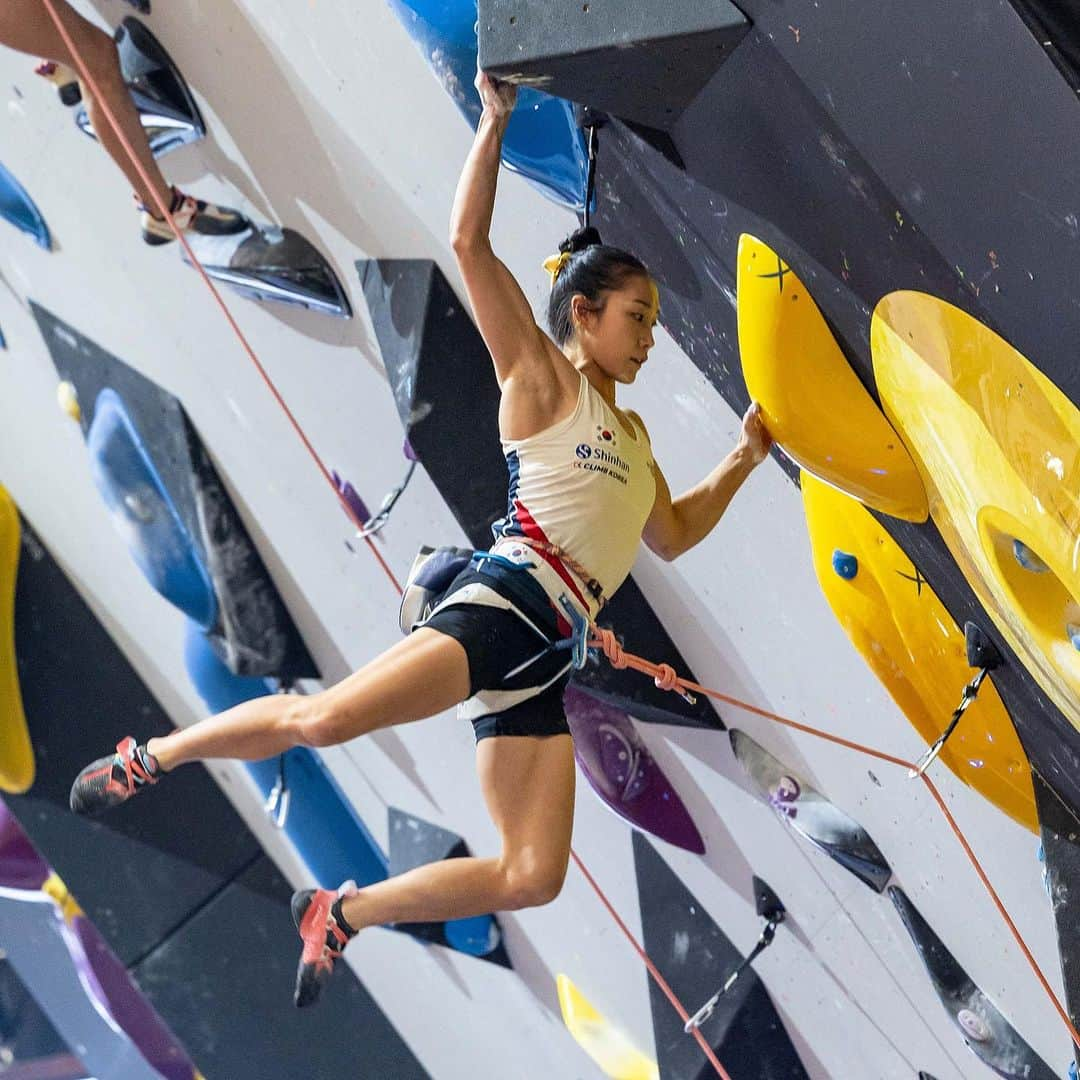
(16, 751)
(906, 635)
(812, 402)
(606, 1045)
(998, 447)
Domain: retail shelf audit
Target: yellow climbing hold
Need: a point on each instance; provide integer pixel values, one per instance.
(812, 402)
(54, 886)
(998, 446)
(16, 751)
(911, 643)
(67, 398)
(606, 1045)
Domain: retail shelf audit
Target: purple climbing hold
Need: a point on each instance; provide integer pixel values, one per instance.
(784, 795)
(352, 499)
(21, 867)
(622, 772)
(118, 995)
(408, 451)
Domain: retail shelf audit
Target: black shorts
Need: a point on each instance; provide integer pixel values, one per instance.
(497, 642)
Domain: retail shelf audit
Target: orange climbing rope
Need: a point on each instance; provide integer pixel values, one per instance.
(664, 675)
(666, 679)
(86, 77)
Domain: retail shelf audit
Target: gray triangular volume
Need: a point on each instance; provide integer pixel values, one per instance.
(810, 814)
(647, 65)
(160, 93)
(276, 264)
(1061, 848)
(415, 842)
(448, 400)
(988, 1035)
(695, 957)
(253, 633)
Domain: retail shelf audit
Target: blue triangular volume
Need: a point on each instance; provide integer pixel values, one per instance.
(170, 504)
(542, 142)
(448, 400)
(695, 957)
(309, 806)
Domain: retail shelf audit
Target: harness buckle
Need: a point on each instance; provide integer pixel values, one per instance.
(578, 642)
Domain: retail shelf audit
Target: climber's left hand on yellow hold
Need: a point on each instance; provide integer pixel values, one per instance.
(754, 439)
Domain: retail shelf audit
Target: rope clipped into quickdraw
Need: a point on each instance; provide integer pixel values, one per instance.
(664, 675)
(606, 641)
(166, 213)
(774, 916)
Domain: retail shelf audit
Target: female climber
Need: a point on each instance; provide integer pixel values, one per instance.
(27, 25)
(584, 490)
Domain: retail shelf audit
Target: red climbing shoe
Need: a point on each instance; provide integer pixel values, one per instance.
(112, 780)
(324, 933)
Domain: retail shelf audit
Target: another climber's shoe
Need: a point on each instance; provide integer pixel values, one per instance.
(112, 780)
(324, 932)
(190, 215)
(65, 79)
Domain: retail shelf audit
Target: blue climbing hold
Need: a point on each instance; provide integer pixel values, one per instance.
(1073, 630)
(17, 207)
(144, 513)
(477, 935)
(845, 565)
(1028, 559)
(543, 142)
(320, 821)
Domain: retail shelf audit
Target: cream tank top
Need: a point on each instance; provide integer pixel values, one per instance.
(584, 485)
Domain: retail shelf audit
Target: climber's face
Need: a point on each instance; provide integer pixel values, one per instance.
(617, 334)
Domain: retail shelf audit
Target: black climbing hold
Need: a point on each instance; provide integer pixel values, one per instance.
(161, 95)
(767, 902)
(695, 957)
(982, 653)
(646, 65)
(1059, 825)
(448, 400)
(277, 264)
(988, 1035)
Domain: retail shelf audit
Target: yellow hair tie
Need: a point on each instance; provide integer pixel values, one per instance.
(555, 263)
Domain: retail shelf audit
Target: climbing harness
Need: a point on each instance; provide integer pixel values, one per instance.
(592, 586)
